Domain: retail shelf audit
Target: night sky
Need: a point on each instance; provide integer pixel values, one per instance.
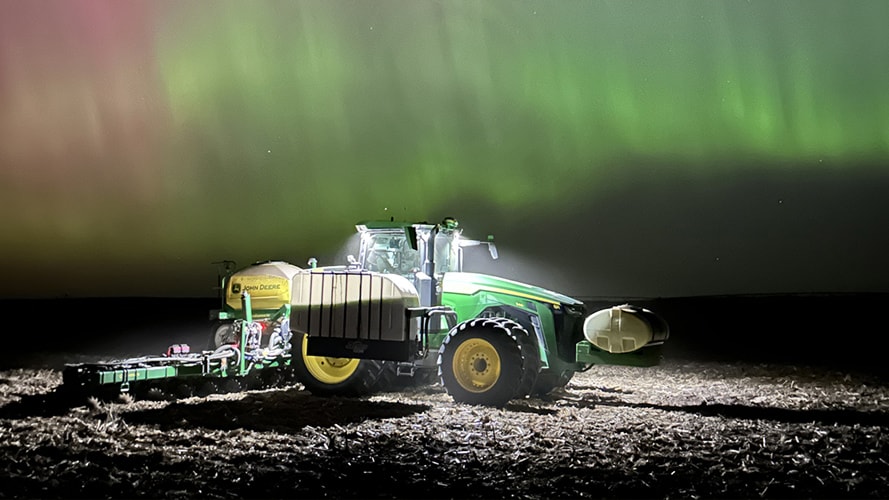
(618, 148)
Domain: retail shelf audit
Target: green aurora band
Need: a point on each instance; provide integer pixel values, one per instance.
(417, 100)
(270, 127)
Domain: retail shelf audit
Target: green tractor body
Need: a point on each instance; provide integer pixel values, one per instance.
(488, 339)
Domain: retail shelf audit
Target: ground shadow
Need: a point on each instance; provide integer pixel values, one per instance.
(612, 390)
(526, 407)
(287, 411)
(48, 404)
(747, 412)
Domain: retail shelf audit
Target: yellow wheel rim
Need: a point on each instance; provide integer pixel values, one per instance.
(329, 370)
(476, 365)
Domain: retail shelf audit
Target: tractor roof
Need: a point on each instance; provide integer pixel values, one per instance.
(389, 224)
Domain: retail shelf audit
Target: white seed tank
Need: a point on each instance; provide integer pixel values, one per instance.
(353, 305)
(624, 328)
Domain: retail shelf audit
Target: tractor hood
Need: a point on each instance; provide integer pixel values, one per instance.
(472, 283)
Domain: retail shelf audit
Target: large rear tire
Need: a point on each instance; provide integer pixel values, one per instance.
(483, 362)
(324, 376)
(530, 360)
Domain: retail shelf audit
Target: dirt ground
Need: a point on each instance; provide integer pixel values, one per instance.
(680, 430)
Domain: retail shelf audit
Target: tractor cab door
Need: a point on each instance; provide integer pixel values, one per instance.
(448, 254)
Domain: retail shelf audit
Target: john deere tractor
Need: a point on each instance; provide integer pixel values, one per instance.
(405, 311)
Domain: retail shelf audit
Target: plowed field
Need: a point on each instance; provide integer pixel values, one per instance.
(680, 430)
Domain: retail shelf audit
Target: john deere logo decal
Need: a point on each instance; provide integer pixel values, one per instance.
(236, 288)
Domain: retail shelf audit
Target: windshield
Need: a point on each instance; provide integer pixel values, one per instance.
(389, 252)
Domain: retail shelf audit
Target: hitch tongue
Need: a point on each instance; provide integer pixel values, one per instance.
(404, 369)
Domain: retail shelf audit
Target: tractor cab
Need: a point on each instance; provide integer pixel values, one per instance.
(420, 252)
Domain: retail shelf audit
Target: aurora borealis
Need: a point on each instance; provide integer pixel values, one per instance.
(635, 148)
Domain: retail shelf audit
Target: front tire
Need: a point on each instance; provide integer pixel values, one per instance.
(481, 362)
(325, 376)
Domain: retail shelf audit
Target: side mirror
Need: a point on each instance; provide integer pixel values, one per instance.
(493, 249)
